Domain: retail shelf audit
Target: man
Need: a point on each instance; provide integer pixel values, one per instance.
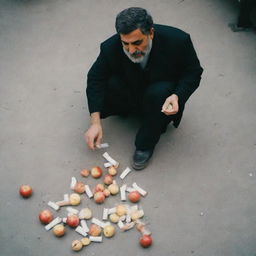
(147, 69)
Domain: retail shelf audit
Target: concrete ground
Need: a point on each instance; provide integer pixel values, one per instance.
(201, 181)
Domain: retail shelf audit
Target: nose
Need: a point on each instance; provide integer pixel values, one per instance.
(132, 49)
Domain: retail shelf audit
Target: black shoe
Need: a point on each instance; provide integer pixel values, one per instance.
(141, 158)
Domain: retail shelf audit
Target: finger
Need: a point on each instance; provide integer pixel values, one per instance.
(98, 141)
(165, 105)
(91, 143)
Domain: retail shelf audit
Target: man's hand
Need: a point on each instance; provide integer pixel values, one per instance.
(94, 134)
(171, 106)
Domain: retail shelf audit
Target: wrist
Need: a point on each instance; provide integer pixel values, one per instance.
(95, 118)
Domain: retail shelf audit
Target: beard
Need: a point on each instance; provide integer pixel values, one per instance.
(138, 56)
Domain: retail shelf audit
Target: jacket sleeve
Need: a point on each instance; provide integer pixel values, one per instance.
(190, 74)
(96, 83)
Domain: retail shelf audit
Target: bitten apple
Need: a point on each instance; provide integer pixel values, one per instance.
(96, 172)
(45, 216)
(26, 191)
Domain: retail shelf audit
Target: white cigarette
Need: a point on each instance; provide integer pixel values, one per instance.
(110, 159)
(99, 223)
(120, 224)
(125, 172)
(80, 231)
(139, 189)
(130, 189)
(73, 183)
(106, 165)
(96, 239)
(112, 210)
(105, 214)
(64, 220)
(103, 145)
(128, 226)
(53, 223)
(66, 197)
(84, 225)
(72, 210)
(63, 203)
(53, 205)
(123, 194)
(88, 191)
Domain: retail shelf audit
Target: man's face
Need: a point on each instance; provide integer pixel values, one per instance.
(136, 44)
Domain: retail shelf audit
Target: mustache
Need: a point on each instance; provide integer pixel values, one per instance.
(137, 53)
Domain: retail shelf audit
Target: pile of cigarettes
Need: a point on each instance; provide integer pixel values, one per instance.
(123, 215)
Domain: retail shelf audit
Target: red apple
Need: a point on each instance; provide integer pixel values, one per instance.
(79, 187)
(96, 172)
(25, 191)
(99, 187)
(134, 196)
(106, 192)
(73, 221)
(45, 216)
(108, 179)
(99, 197)
(59, 230)
(94, 230)
(85, 172)
(146, 241)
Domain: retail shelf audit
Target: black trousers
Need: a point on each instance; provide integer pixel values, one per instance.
(146, 102)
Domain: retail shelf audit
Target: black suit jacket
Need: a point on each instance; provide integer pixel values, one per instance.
(172, 58)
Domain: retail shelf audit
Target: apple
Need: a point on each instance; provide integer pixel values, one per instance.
(96, 172)
(121, 210)
(85, 172)
(59, 230)
(109, 231)
(112, 170)
(106, 192)
(26, 191)
(113, 188)
(45, 216)
(99, 197)
(85, 241)
(134, 196)
(79, 187)
(146, 241)
(108, 179)
(77, 245)
(74, 199)
(94, 230)
(73, 221)
(99, 187)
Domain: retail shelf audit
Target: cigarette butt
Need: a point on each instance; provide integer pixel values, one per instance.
(139, 189)
(128, 226)
(53, 223)
(84, 225)
(123, 194)
(112, 210)
(125, 173)
(88, 191)
(63, 203)
(106, 165)
(110, 159)
(103, 145)
(53, 205)
(80, 231)
(72, 210)
(73, 183)
(105, 214)
(96, 239)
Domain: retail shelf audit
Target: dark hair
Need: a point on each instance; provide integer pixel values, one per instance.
(133, 18)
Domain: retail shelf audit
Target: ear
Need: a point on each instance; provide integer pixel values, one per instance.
(151, 33)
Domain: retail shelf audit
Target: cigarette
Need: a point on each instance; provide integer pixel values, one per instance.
(106, 165)
(105, 214)
(72, 210)
(73, 183)
(80, 231)
(139, 189)
(125, 172)
(103, 145)
(96, 239)
(63, 203)
(84, 226)
(53, 223)
(112, 210)
(88, 191)
(110, 159)
(53, 205)
(120, 224)
(122, 190)
(99, 223)
(128, 226)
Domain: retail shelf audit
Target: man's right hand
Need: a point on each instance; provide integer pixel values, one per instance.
(94, 134)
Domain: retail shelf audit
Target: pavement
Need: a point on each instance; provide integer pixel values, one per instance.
(201, 180)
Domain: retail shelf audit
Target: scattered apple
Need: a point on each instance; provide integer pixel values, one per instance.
(73, 221)
(96, 172)
(79, 187)
(99, 197)
(77, 245)
(59, 230)
(108, 179)
(112, 170)
(121, 210)
(114, 217)
(99, 187)
(146, 241)
(85, 241)
(113, 188)
(74, 199)
(94, 230)
(85, 173)
(109, 231)
(134, 196)
(45, 216)
(85, 213)
(26, 191)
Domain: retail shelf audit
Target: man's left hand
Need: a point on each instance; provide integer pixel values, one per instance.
(171, 106)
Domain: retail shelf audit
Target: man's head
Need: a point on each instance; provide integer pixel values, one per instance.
(135, 27)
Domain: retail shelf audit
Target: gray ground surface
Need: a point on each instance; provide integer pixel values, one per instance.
(206, 166)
